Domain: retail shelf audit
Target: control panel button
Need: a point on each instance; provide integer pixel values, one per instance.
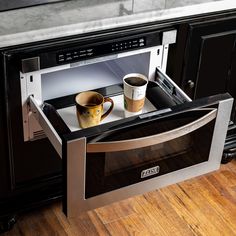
(129, 44)
(61, 59)
(69, 58)
(141, 40)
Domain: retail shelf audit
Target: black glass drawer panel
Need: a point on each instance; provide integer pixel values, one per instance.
(107, 171)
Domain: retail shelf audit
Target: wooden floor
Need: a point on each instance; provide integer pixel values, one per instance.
(204, 205)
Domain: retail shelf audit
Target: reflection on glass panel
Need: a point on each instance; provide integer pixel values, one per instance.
(112, 170)
(125, 160)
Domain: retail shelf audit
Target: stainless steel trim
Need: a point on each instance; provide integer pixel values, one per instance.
(164, 57)
(169, 37)
(31, 85)
(153, 139)
(46, 125)
(220, 131)
(76, 165)
(30, 64)
(25, 115)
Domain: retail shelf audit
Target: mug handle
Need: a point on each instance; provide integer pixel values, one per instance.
(110, 108)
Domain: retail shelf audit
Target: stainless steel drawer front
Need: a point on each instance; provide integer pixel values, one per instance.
(77, 202)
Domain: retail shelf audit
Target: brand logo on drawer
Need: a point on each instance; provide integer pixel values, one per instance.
(151, 171)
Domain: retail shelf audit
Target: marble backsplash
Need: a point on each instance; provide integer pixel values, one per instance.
(147, 5)
(80, 16)
(76, 11)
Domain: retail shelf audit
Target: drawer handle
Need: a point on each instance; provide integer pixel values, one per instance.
(129, 144)
(191, 84)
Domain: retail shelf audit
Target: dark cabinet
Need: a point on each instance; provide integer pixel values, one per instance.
(209, 58)
(204, 63)
(214, 67)
(28, 177)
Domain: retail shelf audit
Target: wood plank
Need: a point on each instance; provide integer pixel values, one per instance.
(210, 213)
(204, 205)
(189, 211)
(116, 211)
(130, 225)
(165, 215)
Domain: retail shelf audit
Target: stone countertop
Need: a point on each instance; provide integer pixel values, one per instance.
(78, 16)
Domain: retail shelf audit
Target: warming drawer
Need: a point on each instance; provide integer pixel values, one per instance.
(173, 140)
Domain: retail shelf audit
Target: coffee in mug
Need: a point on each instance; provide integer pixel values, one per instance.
(89, 108)
(135, 86)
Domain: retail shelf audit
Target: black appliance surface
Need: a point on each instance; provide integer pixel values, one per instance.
(6, 5)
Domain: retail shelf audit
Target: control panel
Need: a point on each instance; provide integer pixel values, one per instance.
(129, 44)
(99, 50)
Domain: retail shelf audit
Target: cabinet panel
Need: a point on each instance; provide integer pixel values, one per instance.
(214, 65)
(207, 60)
